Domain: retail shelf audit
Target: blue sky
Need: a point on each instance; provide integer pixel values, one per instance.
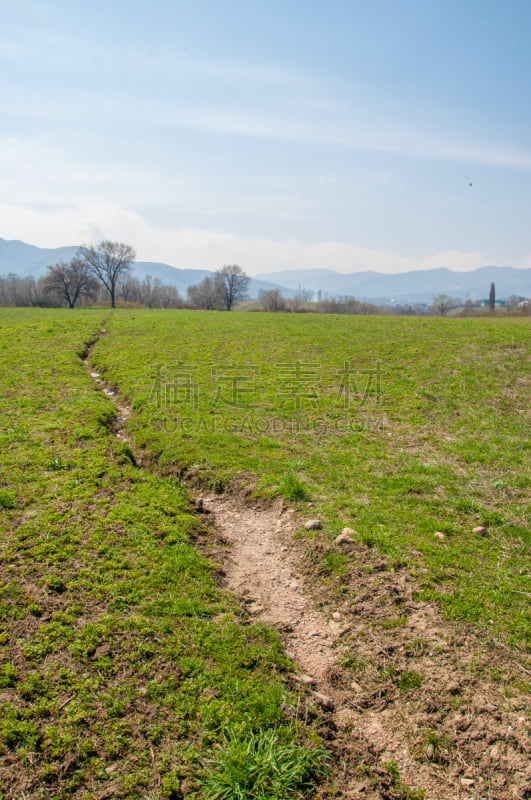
(370, 134)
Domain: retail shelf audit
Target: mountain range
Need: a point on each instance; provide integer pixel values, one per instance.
(418, 286)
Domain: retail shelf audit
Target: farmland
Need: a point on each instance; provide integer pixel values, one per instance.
(127, 669)
(398, 428)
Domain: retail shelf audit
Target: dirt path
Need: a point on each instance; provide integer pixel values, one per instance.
(263, 570)
(413, 702)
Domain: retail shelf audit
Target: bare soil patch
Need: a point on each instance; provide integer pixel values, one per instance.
(262, 568)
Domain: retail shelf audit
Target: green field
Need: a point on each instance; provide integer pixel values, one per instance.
(396, 427)
(122, 664)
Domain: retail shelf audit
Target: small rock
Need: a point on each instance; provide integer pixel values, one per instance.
(94, 374)
(313, 633)
(313, 525)
(356, 687)
(481, 529)
(439, 536)
(349, 532)
(283, 549)
(294, 585)
(323, 701)
(336, 615)
(344, 538)
(103, 651)
(467, 781)
(306, 680)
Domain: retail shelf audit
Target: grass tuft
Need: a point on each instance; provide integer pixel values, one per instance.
(7, 499)
(262, 766)
(292, 489)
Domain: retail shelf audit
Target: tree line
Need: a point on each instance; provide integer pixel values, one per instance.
(105, 271)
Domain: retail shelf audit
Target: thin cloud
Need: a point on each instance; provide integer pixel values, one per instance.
(206, 249)
(384, 138)
(303, 107)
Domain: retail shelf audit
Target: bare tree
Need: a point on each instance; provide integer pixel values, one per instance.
(169, 297)
(20, 291)
(70, 281)
(234, 283)
(272, 300)
(306, 295)
(150, 289)
(442, 304)
(468, 308)
(128, 288)
(108, 262)
(207, 294)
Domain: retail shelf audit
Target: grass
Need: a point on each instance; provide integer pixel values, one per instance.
(122, 663)
(292, 489)
(261, 767)
(409, 680)
(123, 666)
(400, 789)
(400, 428)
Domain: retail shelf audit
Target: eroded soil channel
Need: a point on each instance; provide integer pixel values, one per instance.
(410, 698)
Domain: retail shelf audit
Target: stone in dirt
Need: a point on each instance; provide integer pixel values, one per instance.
(481, 529)
(440, 536)
(324, 701)
(313, 525)
(344, 538)
(306, 680)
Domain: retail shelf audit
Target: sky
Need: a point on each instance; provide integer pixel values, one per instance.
(349, 134)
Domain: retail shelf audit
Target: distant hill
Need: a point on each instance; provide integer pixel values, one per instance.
(419, 286)
(26, 259)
